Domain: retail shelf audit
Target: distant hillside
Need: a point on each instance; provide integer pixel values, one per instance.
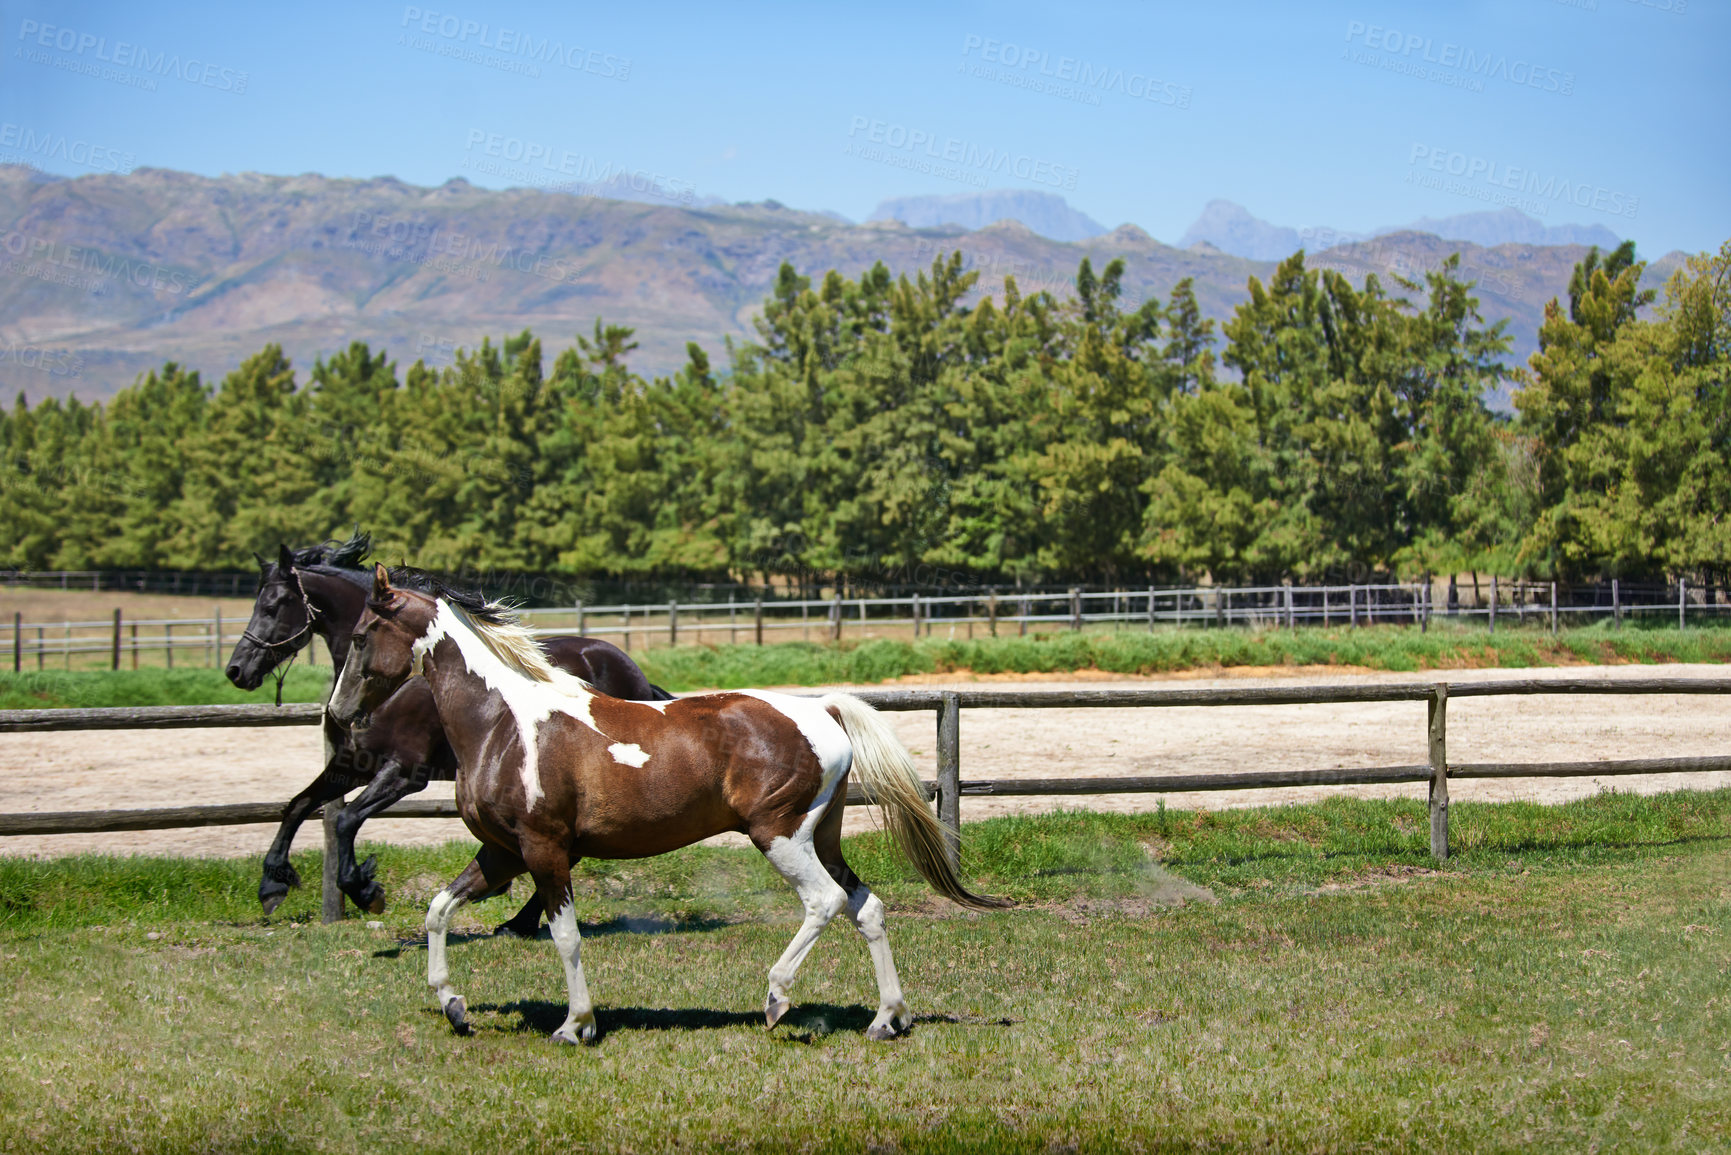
(1232, 229)
(1046, 214)
(111, 275)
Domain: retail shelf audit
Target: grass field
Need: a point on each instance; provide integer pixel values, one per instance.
(685, 668)
(1292, 978)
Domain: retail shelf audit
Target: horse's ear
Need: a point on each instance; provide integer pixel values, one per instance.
(285, 561)
(259, 557)
(381, 584)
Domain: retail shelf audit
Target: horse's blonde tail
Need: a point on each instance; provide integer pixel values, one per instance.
(886, 772)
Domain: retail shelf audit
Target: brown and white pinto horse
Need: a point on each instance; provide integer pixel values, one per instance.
(550, 771)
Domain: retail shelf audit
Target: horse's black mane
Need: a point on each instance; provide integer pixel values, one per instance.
(473, 602)
(350, 554)
(349, 560)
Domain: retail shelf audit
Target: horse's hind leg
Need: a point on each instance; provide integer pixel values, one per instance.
(797, 861)
(490, 869)
(867, 912)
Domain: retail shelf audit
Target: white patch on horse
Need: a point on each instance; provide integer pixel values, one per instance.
(825, 735)
(628, 753)
(530, 702)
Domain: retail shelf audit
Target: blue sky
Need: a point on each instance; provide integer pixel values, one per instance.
(1349, 115)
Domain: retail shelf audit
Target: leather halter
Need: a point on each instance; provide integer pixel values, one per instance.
(279, 669)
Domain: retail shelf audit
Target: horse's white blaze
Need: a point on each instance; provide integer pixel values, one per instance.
(628, 753)
(531, 703)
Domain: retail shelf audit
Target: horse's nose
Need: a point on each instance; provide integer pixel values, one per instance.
(235, 676)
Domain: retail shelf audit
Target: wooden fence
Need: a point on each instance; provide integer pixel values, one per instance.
(117, 642)
(949, 788)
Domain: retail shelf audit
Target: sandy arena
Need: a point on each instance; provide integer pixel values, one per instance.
(128, 770)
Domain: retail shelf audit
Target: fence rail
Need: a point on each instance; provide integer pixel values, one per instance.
(835, 618)
(949, 788)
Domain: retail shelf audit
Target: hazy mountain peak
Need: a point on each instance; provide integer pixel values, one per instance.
(1044, 213)
(1232, 228)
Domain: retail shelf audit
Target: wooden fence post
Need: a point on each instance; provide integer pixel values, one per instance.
(218, 662)
(17, 642)
(1424, 619)
(1150, 609)
(835, 619)
(757, 620)
(992, 611)
(1553, 609)
(1493, 603)
(1286, 591)
(581, 622)
(134, 632)
(1075, 608)
(673, 623)
(1439, 772)
(950, 776)
(1352, 605)
(626, 644)
(1616, 606)
(114, 664)
(1682, 602)
(168, 643)
(732, 623)
(331, 896)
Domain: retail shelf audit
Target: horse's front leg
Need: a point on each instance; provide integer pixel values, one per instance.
(279, 873)
(490, 869)
(390, 784)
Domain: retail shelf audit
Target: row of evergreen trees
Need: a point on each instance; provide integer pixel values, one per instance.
(882, 428)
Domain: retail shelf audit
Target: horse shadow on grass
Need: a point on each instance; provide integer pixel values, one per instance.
(619, 924)
(806, 1023)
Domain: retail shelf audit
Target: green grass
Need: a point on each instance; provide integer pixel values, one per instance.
(1292, 978)
(57, 689)
(685, 668)
(1130, 652)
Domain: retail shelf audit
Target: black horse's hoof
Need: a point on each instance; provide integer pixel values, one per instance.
(517, 928)
(271, 901)
(365, 893)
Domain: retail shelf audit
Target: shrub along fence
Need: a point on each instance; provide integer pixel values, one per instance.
(949, 788)
(117, 642)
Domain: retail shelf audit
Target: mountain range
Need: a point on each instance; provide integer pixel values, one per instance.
(108, 275)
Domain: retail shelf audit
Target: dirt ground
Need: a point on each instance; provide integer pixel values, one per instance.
(126, 770)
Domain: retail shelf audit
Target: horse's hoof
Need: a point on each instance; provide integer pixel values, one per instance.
(456, 1010)
(773, 1008)
(377, 906)
(370, 898)
(271, 901)
(881, 1032)
(512, 930)
(583, 1034)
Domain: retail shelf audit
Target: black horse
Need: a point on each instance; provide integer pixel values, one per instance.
(320, 590)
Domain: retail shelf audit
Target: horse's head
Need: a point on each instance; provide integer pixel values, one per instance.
(381, 651)
(281, 623)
